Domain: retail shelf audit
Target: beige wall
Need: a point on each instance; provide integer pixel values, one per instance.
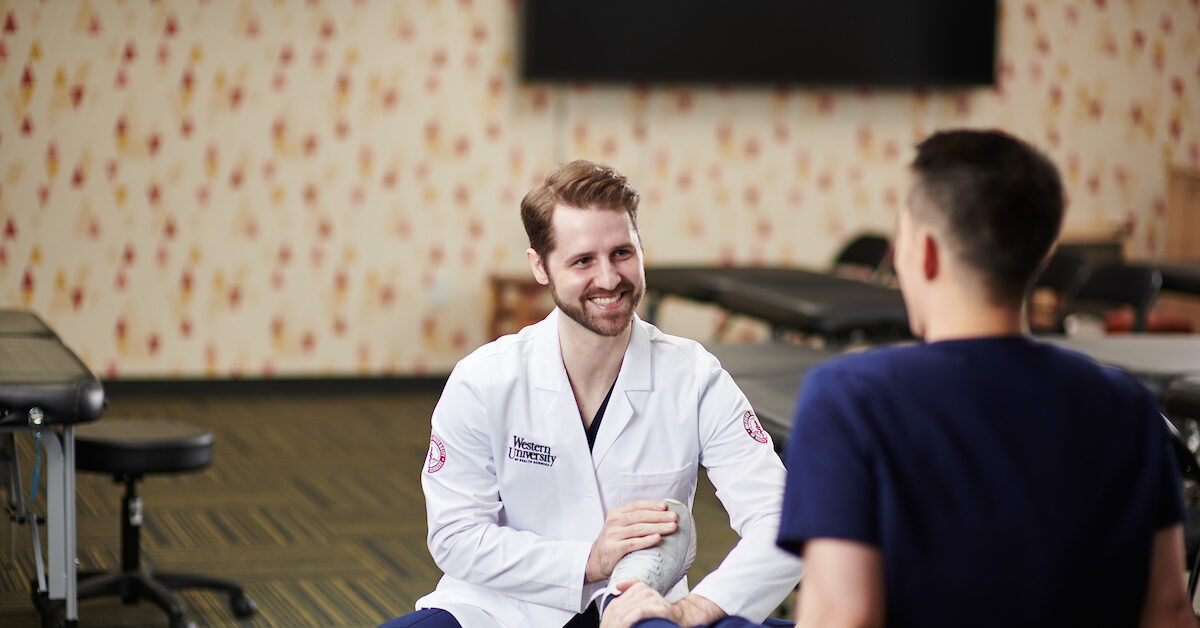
(244, 188)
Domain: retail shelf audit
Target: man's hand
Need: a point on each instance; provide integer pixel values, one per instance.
(634, 526)
(638, 601)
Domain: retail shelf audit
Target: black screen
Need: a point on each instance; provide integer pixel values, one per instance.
(826, 42)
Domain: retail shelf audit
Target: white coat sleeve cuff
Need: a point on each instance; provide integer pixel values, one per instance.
(579, 594)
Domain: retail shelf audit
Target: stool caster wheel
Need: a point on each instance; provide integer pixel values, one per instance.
(180, 622)
(242, 606)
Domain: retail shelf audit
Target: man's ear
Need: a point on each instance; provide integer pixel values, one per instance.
(931, 260)
(536, 265)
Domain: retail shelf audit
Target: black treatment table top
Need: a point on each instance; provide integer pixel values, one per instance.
(824, 305)
(38, 371)
(803, 300)
(1155, 359)
(1182, 399)
(1179, 275)
(23, 323)
(41, 372)
(706, 283)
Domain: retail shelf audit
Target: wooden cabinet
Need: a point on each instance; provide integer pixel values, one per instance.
(1182, 237)
(517, 301)
(1183, 214)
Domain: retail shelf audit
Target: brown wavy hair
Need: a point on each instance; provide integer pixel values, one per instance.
(583, 184)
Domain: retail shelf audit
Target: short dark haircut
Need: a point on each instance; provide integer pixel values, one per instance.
(583, 184)
(999, 200)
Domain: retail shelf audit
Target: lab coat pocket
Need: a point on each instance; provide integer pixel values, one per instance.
(678, 484)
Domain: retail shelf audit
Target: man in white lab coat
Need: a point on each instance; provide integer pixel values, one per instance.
(553, 449)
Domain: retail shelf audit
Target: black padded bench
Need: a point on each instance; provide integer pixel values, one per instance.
(45, 390)
(814, 303)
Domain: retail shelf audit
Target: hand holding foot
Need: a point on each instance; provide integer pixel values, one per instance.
(661, 566)
(638, 601)
(634, 526)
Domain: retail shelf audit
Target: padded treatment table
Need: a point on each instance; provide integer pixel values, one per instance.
(23, 323)
(705, 283)
(810, 302)
(1156, 360)
(700, 283)
(43, 384)
(824, 305)
(1182, 399)
(1181, 275)
(770, 375)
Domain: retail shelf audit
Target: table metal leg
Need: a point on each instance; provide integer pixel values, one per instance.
(60, 519)
(56, 473)
(69, 519)
(11, 472)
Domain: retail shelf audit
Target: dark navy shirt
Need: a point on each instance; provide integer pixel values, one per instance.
(1005, 482)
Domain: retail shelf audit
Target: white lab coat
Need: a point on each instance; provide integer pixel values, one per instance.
(515, 499)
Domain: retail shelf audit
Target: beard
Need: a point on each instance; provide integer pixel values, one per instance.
(610, 323)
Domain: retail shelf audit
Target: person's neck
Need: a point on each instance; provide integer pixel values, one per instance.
(591, 359)
(959, 317)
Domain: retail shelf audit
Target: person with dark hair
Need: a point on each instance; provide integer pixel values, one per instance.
(981, 478)
(563, 459)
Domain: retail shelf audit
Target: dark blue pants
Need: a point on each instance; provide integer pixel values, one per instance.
(424, 618)
(724, 622)
(438, 618)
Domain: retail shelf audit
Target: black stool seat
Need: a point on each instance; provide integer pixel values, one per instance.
(128, 449)
(141, 446)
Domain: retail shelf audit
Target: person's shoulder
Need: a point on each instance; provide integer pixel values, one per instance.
(1083, 369)
(871, 371)
(872, 362)
(1069, 358)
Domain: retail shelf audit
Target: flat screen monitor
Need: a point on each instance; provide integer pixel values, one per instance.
(808, 42)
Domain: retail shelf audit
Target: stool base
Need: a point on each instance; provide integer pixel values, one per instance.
(143, 584)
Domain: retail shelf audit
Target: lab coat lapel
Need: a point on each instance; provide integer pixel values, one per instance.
(556, 403)
(546, 370)
(629, 393)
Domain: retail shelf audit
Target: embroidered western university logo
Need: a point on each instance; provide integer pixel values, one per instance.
(754, 427)
(523, 450)
(437, 454)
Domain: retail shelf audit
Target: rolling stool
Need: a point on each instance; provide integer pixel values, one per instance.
(129, 448)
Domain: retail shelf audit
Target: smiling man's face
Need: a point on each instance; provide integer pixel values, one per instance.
(595, 271)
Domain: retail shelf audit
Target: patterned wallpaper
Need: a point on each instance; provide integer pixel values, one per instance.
(242, 188)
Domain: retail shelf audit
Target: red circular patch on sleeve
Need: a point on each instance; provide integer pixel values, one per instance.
(437, 454)
(753, 427)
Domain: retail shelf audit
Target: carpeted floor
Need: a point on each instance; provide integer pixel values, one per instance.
(313, 503)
